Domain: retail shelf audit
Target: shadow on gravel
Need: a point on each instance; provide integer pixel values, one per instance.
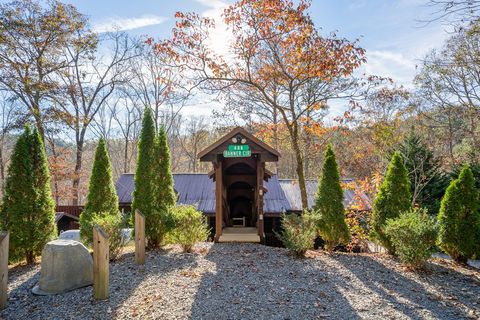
(452, 293)
(258, 282)
(125, 277)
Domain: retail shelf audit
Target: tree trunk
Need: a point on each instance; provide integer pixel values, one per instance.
(275, 136)
(38, 120)
(299, 168)
(2, 167)
(76, 178)
(30, 257)
(125, 157)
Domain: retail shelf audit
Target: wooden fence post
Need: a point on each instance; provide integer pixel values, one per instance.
(4, 238)
(139, 237)
(100, 264)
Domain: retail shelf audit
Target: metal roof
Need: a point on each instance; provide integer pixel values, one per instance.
(198, 189)
(292, 193)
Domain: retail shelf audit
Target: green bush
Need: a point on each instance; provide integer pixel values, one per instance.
(112, 224)
(329, 204)
(459, 219)
(393, 198)
(190, 227)
(413, 234)
(299, 232)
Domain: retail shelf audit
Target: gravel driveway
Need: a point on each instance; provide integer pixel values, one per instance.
(248, 281)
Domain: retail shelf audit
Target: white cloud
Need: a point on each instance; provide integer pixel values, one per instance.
(220, 37)
(122, 24)
(390, 64)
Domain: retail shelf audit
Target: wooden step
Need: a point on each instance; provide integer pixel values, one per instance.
(240, 235)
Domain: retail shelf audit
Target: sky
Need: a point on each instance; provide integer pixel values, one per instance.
(389, 30)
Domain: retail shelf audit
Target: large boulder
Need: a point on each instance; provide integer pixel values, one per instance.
(66, 265)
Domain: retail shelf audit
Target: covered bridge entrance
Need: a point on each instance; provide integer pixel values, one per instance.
(239, 173)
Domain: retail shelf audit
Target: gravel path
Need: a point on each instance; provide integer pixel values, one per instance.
(248, 281)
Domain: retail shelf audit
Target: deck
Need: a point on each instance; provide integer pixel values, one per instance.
(240, 235)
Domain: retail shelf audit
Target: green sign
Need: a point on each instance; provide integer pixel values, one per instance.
(237, 153)
(238, 147)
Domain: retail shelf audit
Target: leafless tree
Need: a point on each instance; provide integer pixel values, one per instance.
(88, 82)
(127, 116)
(156, 86)
(455, 11)
(194, 139)
(449, 91)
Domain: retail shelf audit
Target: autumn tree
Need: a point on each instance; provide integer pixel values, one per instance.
(393, 199)
(102, 197)
(329, 204)
(276, 53)
(33, 36)
(28, 210)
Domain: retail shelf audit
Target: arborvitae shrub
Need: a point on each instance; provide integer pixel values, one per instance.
(189, 227)
(145, 192)
(298, 232)
(329, 204)
(413, 234)
(28, 209)
(393, 198)
(459, 219)
(165, 195)
(102, 197)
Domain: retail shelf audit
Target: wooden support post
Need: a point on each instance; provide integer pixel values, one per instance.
(100, 264)
(218, 199)
(139, 237)
(4, 238)
(260, 173)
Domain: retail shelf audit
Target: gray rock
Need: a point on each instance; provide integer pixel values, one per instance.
(66, 265)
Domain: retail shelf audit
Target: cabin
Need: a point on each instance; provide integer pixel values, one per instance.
(66, 221)
(241, 199)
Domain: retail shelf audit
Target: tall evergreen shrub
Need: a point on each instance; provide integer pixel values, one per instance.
(145, 192)
(459, 218)
(165, 194)
(102, 197)
(329, 204)
(393, 198)
(28, 209)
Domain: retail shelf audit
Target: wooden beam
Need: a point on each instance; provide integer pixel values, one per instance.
(4, 239)
(139, 237)
(260, 192)
(218, 199)
(100, 264)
